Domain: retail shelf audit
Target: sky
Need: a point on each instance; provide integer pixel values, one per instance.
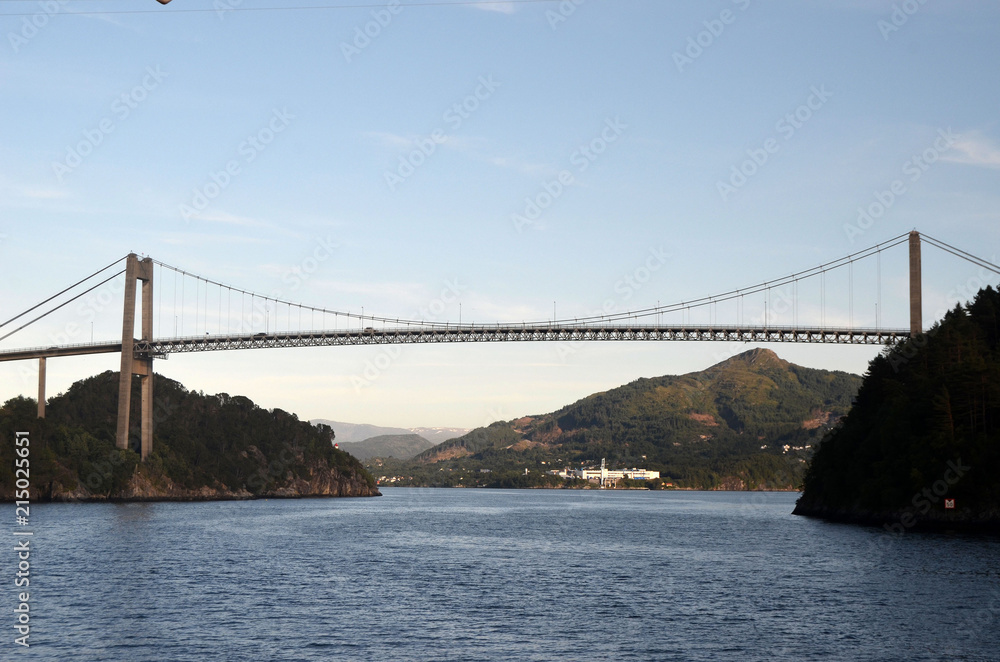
(489, 160)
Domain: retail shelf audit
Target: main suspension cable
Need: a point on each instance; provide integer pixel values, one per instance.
(60, 293)
(66, 303)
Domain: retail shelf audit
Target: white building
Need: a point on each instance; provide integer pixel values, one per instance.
(603, 475)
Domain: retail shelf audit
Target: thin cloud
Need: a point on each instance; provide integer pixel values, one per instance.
(525, 167)
(498, 7)
(393, 140)
(200, 239)
(43, 193)
(974, 149)
(226, 218)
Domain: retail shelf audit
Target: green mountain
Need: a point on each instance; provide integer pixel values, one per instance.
(925, 428)
(725, 427)
(204, 447)
(401, 446)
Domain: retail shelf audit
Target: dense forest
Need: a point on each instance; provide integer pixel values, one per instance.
(746, 423)
(925, 428)
(204, 446)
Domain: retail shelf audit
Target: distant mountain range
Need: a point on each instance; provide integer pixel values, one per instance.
(749, 422)
(399, 446)
(347, 433)
(364, 441)
(438, 435)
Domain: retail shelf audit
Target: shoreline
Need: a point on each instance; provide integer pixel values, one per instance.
(192, 499)
(598, 489)
(897, 523)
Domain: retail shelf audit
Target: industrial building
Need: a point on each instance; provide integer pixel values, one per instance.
(605, 476)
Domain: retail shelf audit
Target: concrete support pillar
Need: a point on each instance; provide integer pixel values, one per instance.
(146, 442)
(136, 270)
(916, 300)
(128, 348)
(41, 387)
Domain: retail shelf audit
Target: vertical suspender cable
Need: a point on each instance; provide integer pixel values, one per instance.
(822, 299)
(159, 304)
(850, 295)
(795, 303)
(878, 300)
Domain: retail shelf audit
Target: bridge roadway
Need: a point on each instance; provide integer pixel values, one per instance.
(471, 333)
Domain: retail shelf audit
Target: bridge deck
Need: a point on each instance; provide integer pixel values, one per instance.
(473, 333)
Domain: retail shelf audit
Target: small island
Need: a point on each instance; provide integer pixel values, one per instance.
(920, 448)
(208, 447)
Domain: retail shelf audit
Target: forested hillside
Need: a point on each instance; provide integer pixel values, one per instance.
(926, 427)
(725, 427)
(205, 446)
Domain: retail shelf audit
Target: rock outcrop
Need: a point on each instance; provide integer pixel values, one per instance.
(322, 481)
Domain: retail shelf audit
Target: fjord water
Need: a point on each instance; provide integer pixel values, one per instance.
(464, 574)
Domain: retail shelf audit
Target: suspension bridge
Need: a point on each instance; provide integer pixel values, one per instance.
(206, 315)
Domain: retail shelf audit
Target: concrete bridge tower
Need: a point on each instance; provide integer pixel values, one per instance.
(916, 301)
(136, 270)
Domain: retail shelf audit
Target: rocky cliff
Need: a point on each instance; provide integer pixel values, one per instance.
(322, 481)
